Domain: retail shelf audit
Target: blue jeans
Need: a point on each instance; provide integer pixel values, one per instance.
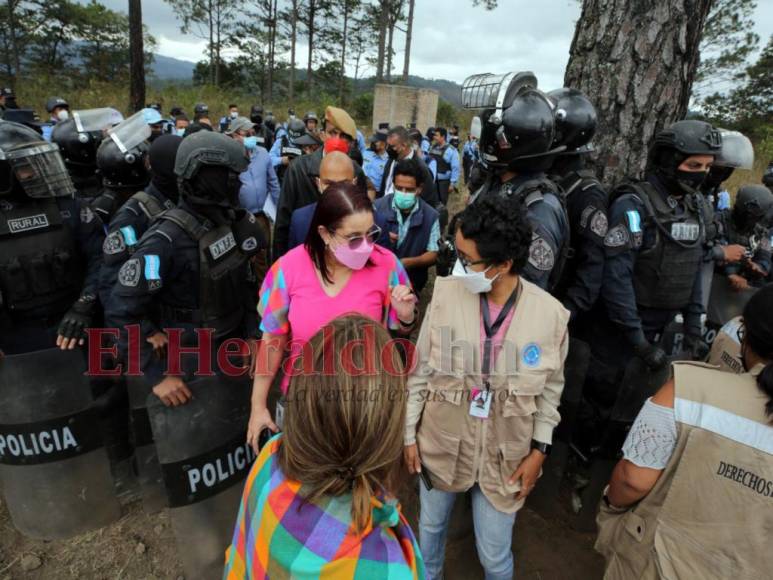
(493, 533)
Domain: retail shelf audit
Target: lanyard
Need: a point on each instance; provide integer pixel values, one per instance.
(492, 329)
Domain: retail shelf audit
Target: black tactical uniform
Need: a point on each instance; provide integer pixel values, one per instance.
(190, 270)
(262, 130)
(50, 246)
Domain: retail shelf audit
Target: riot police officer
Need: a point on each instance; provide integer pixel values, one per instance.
(50, 247)
(122, 165)
(190, 270)
(654, 251)
(311, 121)
(264, 134)
(140, 211)
(747, 225)
(78, 139)
(516, 144)
(586, 201)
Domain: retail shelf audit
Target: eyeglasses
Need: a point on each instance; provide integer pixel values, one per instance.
(355, 241)
(466, 263)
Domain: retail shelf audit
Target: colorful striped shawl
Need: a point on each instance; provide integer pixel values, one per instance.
(278, 535)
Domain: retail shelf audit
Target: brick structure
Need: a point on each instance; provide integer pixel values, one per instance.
(402, 105)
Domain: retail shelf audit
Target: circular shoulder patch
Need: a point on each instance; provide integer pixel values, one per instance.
(541, 255)
(130, 274)
(531, 355)
(599, 224)
(616, 237)
(114, 243)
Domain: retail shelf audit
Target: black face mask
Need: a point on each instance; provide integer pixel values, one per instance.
(690, 181)
(392, 152)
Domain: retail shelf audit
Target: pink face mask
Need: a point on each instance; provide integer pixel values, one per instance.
(354, 258)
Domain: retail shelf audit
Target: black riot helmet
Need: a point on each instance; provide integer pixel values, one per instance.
(30, 165)
(208, 166)
(575, 121)
(79, 137)
(518, 126)
(270, 121)
(121, 155)
(162, 156)
(675, 144)
(200, 109)
(753, 204)
(256, 114)
(295, 129)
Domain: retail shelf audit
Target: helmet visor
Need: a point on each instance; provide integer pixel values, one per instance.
(94, 120)
(487, 91)
(131, 132)
(39, 169)
(737, 151)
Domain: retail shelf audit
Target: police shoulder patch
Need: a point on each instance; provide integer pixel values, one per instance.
(87, 216)
(586, 213)
(114, 243)
(129, 275)
(617, 237)
(541, 255)
(599, 224)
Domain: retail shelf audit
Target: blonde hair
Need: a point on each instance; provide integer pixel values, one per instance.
(345, 420)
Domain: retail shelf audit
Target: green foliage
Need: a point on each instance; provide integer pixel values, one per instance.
(447, 114)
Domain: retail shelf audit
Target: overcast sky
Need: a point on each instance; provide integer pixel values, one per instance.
(452, 40)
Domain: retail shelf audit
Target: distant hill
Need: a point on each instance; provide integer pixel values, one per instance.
(167, 68)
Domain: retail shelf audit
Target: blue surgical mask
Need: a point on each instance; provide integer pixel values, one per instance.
(404, 200)
(179, 132)
(250, 143)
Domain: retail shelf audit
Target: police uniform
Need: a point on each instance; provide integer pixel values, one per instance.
(586, 204)
(447, 159)
(373, 166)
(548, 219)
(50, 254)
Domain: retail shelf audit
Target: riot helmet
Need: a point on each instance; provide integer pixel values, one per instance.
(30, 165)
(121, 155)
(753, 204)
(575, 121)
(208, 166)
(79, 137)
(295, 129)
(200, 109)
(270, 121)
(56, 102)
(518, 127)
(256, 114)
(676, 143)
(737, 152)
(161, 157)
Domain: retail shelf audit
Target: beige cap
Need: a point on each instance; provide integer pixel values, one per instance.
(341, 120)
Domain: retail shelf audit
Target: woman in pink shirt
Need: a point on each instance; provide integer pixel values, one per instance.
(338, 270)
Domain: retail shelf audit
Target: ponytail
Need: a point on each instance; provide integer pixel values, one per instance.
(361, 506)
(765, 383)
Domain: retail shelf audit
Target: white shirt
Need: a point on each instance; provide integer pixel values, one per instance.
(390, 185)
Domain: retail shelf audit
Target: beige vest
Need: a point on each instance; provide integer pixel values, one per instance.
(726, 348)
(710, 515)
(457, 449)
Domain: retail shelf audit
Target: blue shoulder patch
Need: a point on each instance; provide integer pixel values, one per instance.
(152, 267)
(634, 221)
(129, 235)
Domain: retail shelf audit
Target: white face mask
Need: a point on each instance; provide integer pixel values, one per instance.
(63, 114)
(475, 282)
(234, 114)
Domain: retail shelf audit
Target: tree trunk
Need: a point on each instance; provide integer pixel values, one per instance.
(310, 27)
(389, 51)
(408, 35)
(218, 41)
(211, 43)
(342, 82)
(293, 38)
(136, 57)
(12, 6)
(636, 63)
(272, 27)
(383, 21)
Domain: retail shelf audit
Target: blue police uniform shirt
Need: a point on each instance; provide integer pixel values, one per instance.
(374, 165)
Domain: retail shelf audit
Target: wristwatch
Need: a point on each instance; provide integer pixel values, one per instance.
(541, 447)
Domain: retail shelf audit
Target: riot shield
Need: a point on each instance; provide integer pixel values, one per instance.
(145, 461)
(726, 303)
(204, 460)
(54, 468)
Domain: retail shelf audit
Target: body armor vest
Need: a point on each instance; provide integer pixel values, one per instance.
(438, 153)
(221, 276)
(664, 274)
(41, 269)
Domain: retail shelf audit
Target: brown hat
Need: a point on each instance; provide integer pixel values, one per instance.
(341, 120)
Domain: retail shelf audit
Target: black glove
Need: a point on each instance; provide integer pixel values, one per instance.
(653, 356)
(78, 318)
(696, 347)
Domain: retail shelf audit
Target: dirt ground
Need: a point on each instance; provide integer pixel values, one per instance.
(141, 547)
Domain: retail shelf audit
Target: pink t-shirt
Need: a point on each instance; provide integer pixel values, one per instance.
(293, 301)
(499, 335)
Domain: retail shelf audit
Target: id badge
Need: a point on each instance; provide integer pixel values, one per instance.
(480, 405)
